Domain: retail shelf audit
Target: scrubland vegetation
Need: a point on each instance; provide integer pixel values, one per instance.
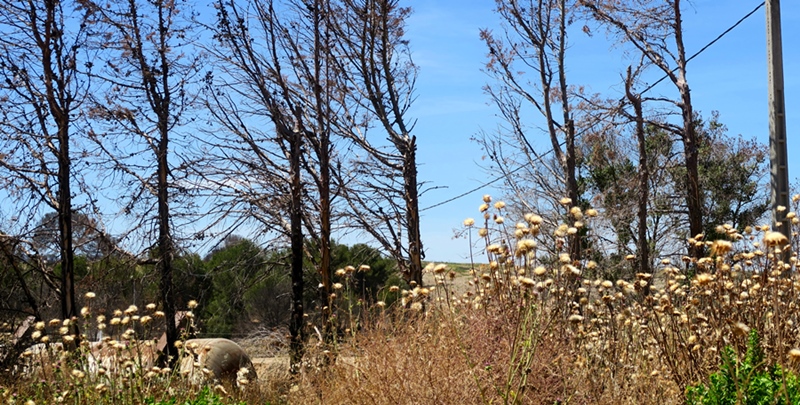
(136, 135)
(528, 327)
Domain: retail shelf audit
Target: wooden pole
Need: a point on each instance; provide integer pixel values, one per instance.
(779, 175)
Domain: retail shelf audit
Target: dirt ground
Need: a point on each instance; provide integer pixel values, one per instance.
(272, 367)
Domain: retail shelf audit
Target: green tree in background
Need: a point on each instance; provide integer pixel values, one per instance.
(242, 288)
(365, 282)
(232, 270)
(733, 170)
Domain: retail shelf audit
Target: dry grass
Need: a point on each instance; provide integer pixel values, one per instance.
(535, 330)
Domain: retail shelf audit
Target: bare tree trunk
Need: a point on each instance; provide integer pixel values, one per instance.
(694, 202)
(40, 92)
(569, 129)
(650, 38)
(58, 101)
(535, 41)
(644, 173)
(163, 108)
(151, 41)
(409, 152)
(166, 249)
(68, 306)
(296, 326)
(572, 186)
(383, 75)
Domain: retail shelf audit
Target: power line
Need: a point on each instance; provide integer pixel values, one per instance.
(650, 87)
(464, 194)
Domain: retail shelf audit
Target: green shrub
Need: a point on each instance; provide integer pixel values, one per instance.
(749, 381)
(204, 397)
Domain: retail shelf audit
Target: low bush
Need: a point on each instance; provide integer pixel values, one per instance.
(748, 380)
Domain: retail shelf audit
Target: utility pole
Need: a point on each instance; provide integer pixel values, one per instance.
(779, 173)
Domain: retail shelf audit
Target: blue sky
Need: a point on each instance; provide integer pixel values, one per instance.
(730, 77)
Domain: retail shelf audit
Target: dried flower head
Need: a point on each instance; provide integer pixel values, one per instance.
(794, 355)
(721, 247)
(570, 269)
(775, 239)
(525, 246)
(741, 329)
(704, 278)
(533, 219)
(500, 205)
